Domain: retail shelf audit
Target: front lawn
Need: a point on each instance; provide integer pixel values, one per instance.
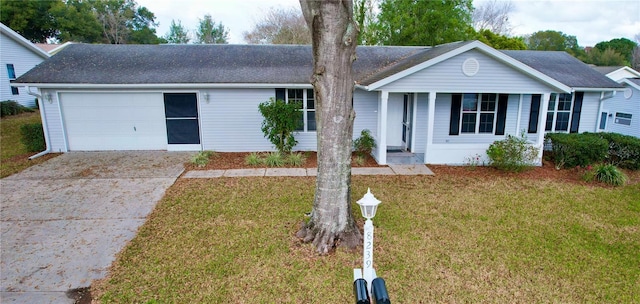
(14, 156)
(447, 238)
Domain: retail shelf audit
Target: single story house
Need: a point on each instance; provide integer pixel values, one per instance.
(442, 104)
(17, 56)
(621, 113)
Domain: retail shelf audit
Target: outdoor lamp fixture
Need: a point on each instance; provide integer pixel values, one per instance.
(206, 96)
(366, 284)
(48, 97)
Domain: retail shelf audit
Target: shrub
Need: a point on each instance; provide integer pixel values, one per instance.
(624, 150)
(296, 159)
(360, 160)
(512, 154)
(253, 159)
(280, 121)
(10, 107)
(364, 144)
(573, 149)
(33, 137)
(202, 158)
(606, 173)
(274, 159)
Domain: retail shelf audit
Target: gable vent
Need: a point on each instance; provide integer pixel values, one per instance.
(470, 67)
(628, 92)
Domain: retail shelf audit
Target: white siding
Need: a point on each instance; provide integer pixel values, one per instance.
(23, 60)
(231, 121)
(365, 104)
(421, 124)
(589, 113)
(54, 122)
(395, 110)
(492, 77)
(623, 105)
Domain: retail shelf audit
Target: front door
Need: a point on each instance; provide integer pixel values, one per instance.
(181, 112)
(407, 115)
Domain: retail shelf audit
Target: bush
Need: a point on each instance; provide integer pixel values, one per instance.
(33, 137)
(274, 159)
(280, 121)
(10, 107)
(296, 159)
(512, 154)
(364, 144)
(573, 149)
(253, 159)
(202, 158)
(360, 160)
(624, 150)
(606, 173)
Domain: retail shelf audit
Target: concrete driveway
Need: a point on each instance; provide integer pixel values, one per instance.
(63, 221)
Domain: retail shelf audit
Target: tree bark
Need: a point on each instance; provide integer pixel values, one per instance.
(334, 37)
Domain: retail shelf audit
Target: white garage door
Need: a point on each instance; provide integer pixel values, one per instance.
(114, 121)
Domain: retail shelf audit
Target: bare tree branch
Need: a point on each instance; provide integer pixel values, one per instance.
(493, 15)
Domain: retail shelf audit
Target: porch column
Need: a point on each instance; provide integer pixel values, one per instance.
(542, 119)
(413, 119)
(430, 122)
(382, 127)
(519, 115)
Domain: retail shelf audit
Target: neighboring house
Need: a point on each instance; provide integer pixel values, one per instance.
(52, 49)
(17, 56)
(442, 104)
(621, 113)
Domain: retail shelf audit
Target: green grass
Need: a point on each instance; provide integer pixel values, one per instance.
(13, 154)
(438, 239)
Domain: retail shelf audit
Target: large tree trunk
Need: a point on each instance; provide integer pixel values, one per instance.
(334, 37)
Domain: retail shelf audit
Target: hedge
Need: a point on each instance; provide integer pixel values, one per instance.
(10, 107)
(573, 149)
(33, 137)
(624, 150)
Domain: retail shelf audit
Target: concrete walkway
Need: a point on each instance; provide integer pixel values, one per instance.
(390, 170)
(63, 221)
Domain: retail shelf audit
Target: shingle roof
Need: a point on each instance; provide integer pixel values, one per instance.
(264, 64)
(564, 68)
(180, 64)
(604, 70)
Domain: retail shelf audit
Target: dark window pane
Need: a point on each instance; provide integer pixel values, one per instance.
(549, 125)
(295, 94)
(311, 104)
(486, 123)
(311, 121)
(468, 123)
(603, 121)
(623, 115)
(470, 102)
(564, 102)
(488, 106)
(180, 105)
(11, 71)
(15, 91)
(300, 126)
(562, 121)
(183, 131)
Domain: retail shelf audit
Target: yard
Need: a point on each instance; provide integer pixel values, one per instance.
(459, 236)
(14, 157)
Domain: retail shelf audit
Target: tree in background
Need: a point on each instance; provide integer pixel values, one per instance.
(635, 56)
(142, 28)
(364, 11)
(608, 57)
(494, 16)
(334, 36)
(622, 46)
(209, 32)
(279, 26)
(113, 16)
(177, 33)
(76, 22)
(554, 41)
(500, 42)
(31, 19)
(416, 22)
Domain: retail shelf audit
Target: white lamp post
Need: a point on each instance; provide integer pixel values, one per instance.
(368, 205)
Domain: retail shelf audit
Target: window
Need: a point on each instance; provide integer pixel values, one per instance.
(559, 112)
(14, 91)
(478, 113)
(623, 119)
(11, 71)
(603, 120)
(305, 99)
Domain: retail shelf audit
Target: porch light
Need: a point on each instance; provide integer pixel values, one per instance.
(368, 205)
(48, 97)
(206, 96)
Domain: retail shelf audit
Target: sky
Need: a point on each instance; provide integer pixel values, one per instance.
(591, 21)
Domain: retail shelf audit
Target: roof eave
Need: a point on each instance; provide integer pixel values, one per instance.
(578, 89)
(163, 85)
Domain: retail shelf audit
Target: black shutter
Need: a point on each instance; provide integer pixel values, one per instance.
(577, 108)
(454, 123)
(280, 94)
(534, 113)
(503, 100)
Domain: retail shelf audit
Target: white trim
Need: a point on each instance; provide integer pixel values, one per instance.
(542, 119)
(432, 115)
(519, 118)
(467, 47)
(414, 116)
(383, 98)
(624, 68)
(631, 83)
(193, 147)
(577, 89)
(163, 86)
(23, 41)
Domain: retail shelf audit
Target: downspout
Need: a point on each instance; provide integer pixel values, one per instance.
(603, 97)
(43, 117)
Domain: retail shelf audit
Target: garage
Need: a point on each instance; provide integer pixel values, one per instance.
(114, 121)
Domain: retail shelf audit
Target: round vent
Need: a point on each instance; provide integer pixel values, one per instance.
(470, 67)
(628, 92)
